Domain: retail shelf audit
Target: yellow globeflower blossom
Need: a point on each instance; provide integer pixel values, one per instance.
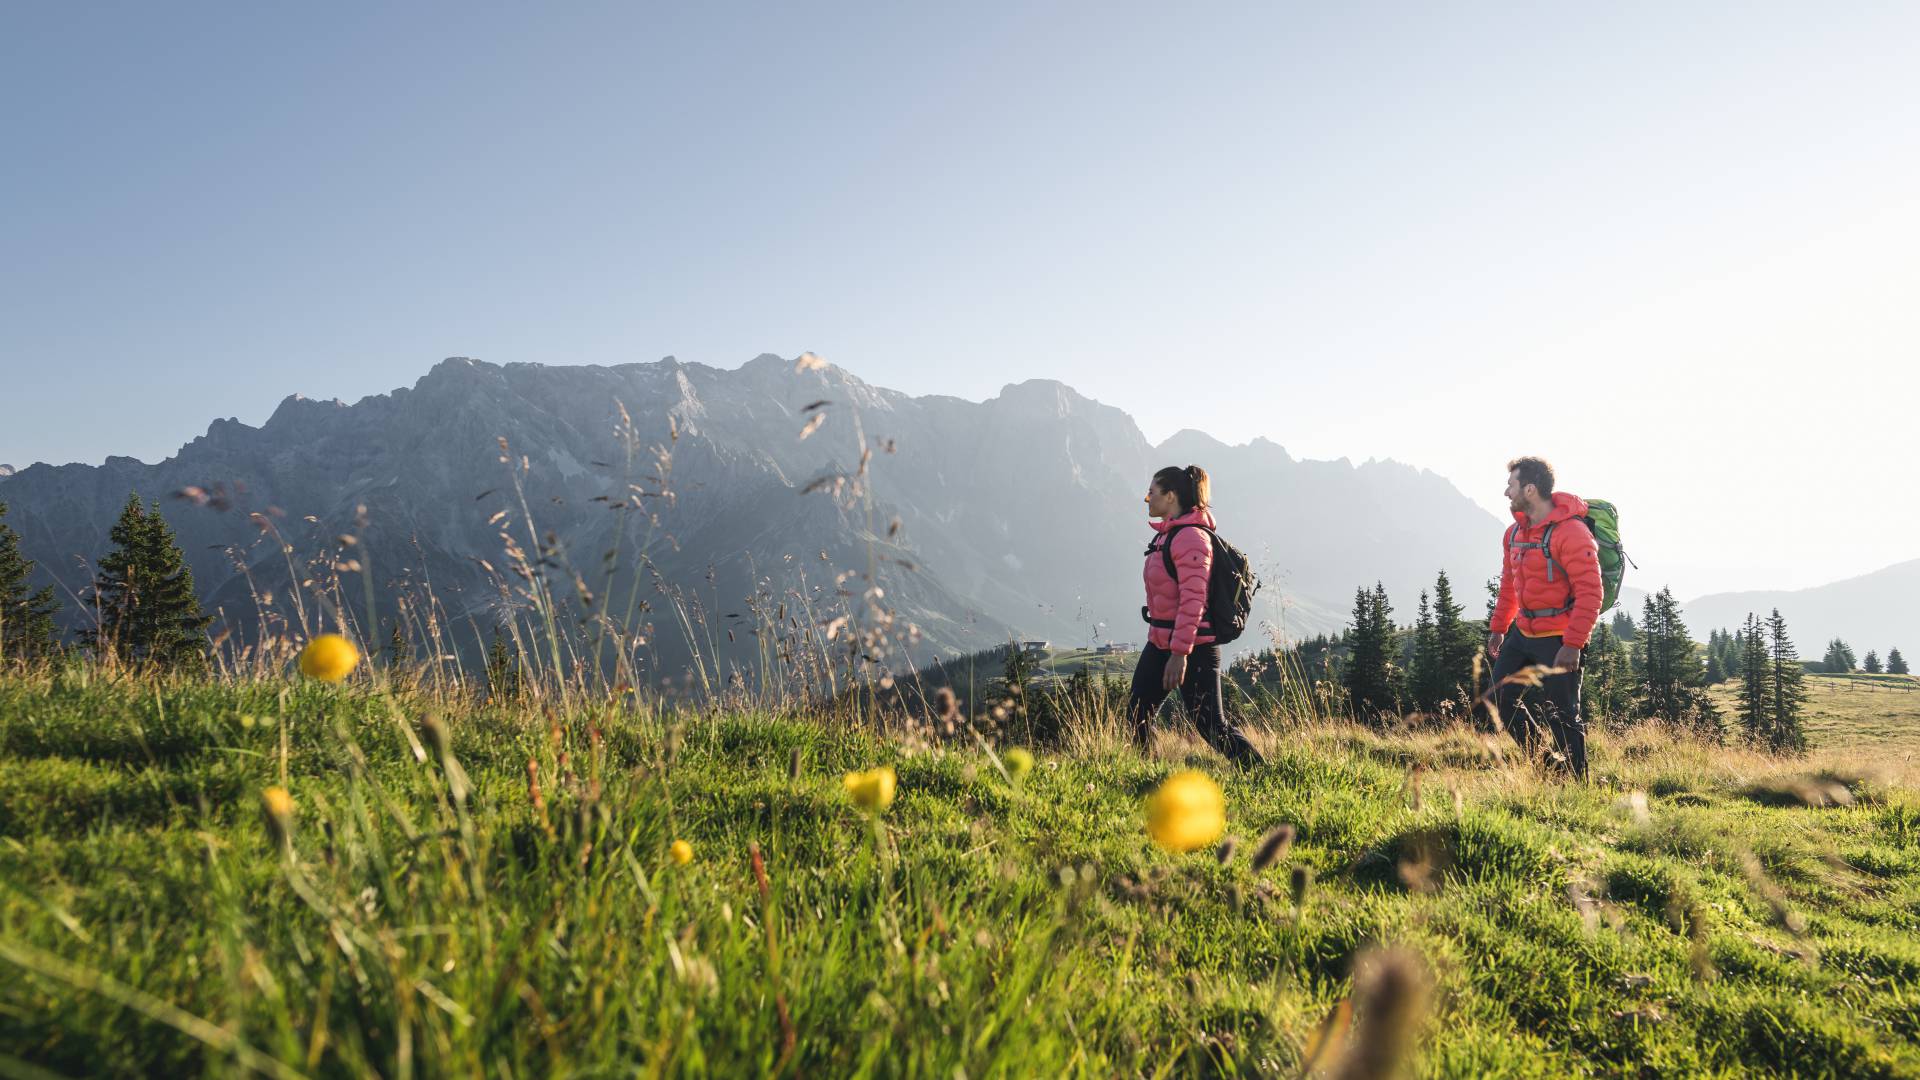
(329, 658)
(1019, 762)
(277, 806)
(681, 852)
(1187, 813)
(873, 788)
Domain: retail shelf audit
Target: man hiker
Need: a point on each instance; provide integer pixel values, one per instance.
(1550, 598)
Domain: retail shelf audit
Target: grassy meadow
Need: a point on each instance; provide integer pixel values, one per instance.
(1873, 714)
(456, 888)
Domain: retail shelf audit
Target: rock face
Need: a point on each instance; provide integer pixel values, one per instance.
(1020, 515)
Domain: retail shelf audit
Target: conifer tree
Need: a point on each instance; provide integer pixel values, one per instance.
(1369, 672)
(1756, 682)
(26, 614)
(1736, 655)
(1871, 665)
(1715, 673)
(1622, 625)
(1789, 687)
(503, 668)
(143, 593)
(1839, 658)
(1425, 685)
(1896, 664)
(1674, 680)
(1456, 641)
(1608, 679)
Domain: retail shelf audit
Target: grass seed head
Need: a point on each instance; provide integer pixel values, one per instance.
(1273, 847)
(1225, 852)
(1300, 881)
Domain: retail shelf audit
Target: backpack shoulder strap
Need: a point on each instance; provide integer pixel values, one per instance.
(1166, 544)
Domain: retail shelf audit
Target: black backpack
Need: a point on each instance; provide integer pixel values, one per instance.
(1230, 587)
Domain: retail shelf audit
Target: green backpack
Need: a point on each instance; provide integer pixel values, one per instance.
(1604, 521)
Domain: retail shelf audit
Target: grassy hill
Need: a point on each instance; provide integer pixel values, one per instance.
(1869, 713)
(473, 890)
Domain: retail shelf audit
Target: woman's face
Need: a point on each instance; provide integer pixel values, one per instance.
(1161, 503)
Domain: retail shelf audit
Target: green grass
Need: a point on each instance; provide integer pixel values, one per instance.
(1877, 713)
(436, 918)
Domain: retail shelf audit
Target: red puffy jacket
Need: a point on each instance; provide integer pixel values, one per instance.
(1182, 602)
(1565, 595)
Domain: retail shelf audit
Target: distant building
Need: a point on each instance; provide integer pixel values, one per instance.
(1035, 646)
(1113, 647)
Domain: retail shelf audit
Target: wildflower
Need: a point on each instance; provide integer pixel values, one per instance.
(277, 806)
(329, 658)
(1187, 813)
(681, 852)
(872, 789)
(1019, 762)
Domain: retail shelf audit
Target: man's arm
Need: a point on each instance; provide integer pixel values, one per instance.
(1506, 605)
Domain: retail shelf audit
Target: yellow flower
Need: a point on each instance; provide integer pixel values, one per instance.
(1018, 761)
(329, 658)
(872, 789)
(277, 806)
(277, 801)
(681, 852)
(1187, 813)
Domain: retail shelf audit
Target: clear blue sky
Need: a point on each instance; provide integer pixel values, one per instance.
(1439, 233)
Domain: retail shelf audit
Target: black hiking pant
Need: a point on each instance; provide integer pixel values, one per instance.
(1554, 710)
(1200, 694)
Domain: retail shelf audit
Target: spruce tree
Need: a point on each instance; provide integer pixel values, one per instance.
(1425, 678)
(1789, 687)
(1715, 673)
(1756, 682)
(1369, 675)
(1673, 687)
(26, 614)
(1457, 642)
(1839, 658)
(1608, 676)
(143, 594)
(503, 668)
(1622, 625)
(1736, 655)
(1871, 665)
(1896, 664)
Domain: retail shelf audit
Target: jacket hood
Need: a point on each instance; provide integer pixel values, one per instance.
(1200, 515)
(1565, 507)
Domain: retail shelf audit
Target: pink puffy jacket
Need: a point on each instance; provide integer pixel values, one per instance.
(1183, 602)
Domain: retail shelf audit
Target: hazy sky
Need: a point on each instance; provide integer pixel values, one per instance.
(1675, 248)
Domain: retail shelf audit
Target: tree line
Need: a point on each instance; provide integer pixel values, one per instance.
(1651, 668)
(142, 597)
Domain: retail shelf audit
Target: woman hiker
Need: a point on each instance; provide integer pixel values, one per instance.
(1180, 653)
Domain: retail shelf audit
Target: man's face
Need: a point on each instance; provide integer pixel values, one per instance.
(1516, 494)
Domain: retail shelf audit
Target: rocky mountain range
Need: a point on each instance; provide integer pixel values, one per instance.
(1016, 516)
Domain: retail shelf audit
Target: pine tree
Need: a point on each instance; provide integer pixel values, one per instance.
(1736, 657)
(1673, 686)
(1896, 664)
(1839, 658)
(1789, 687)
(503, 668)
(1456, 640)
(1608, 678)
(1871, 665)
(1425, 678)
(143, 593)
(26, 615)
(1369, 672)
(1622, 626)
(1756, 682)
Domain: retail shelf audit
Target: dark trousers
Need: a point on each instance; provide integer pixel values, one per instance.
(1554, 710)
(1199, 693)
